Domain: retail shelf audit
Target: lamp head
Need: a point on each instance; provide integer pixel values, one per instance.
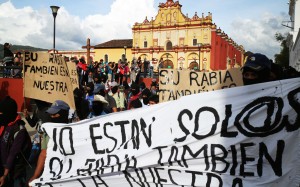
(54, 10)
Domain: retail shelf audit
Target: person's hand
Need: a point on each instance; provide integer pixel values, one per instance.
(30, 180)
(2, 180)
(25, 113)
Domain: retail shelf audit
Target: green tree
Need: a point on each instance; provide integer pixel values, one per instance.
(283, 57)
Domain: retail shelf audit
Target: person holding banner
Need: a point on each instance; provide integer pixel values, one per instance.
(257, 69)
(59, 112)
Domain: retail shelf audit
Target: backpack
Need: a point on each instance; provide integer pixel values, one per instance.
(26, 149)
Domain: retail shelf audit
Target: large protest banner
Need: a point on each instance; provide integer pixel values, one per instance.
(174, 84)
(242, 137)
(47, 78)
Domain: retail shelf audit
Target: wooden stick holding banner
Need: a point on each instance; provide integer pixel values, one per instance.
(23, 74)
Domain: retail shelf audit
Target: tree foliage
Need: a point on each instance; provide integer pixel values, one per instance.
(283, 57)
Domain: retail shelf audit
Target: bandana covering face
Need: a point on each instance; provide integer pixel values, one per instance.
(9, 124)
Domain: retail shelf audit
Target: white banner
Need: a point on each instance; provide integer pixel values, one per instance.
(242, 137)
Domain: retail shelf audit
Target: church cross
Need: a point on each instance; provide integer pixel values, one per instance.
(88, 47)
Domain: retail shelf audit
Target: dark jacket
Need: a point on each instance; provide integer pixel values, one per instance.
(15, 143)
(7, 52)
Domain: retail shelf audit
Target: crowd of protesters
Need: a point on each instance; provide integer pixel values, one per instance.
(118, 83)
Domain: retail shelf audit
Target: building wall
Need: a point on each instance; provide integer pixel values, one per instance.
(295, 44)
(295, 54)
(114, 54)
(14, 88)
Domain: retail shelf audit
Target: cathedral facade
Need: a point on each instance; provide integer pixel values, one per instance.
(178, 41)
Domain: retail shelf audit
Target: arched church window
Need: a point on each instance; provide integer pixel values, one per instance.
(106, 58)
(169, 46)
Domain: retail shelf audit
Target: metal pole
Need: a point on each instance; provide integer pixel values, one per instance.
(199, 59)
(54, 35)
(54, 13)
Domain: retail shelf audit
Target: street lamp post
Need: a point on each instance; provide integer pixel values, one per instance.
(54, 13)
(199, 47)
(125, 47)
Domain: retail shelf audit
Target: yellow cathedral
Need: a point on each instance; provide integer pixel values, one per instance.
(176, 41)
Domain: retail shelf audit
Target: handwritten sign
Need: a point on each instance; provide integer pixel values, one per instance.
(47, 78)
(174, 84)
(73, 74)
(243, 136)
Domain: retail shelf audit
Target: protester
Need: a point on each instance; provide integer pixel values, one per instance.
(138, 73)
(134, 69)
(256, 69)
(145, 96)
(135, 104)
(103, 91)
(81, 105)
(134, 94)
(15, 145)
(146, 66)
(39, 115)
(153, 87)
(119, 97)
(145, 93)
(99, 104)
(6, 50)
(153, 99)
(89, 91)
(7, 59)
(82, 72)
(126, 72)
(59, 112)
(121, 73)
(290, 72)
(110, 71)
(151, 69)
(276, 72)
(17, 72)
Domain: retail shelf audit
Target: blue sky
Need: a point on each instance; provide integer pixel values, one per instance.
(251, 23)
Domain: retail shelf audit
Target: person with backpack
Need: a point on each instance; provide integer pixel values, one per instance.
(15, 145)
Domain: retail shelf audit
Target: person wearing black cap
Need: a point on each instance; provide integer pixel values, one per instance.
(59, 112)
(15, 145)
(7, 52)
(256, 69)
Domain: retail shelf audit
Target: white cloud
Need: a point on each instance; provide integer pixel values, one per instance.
(258, 35)
(118, 23)
(26, 26)
(17, 24)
